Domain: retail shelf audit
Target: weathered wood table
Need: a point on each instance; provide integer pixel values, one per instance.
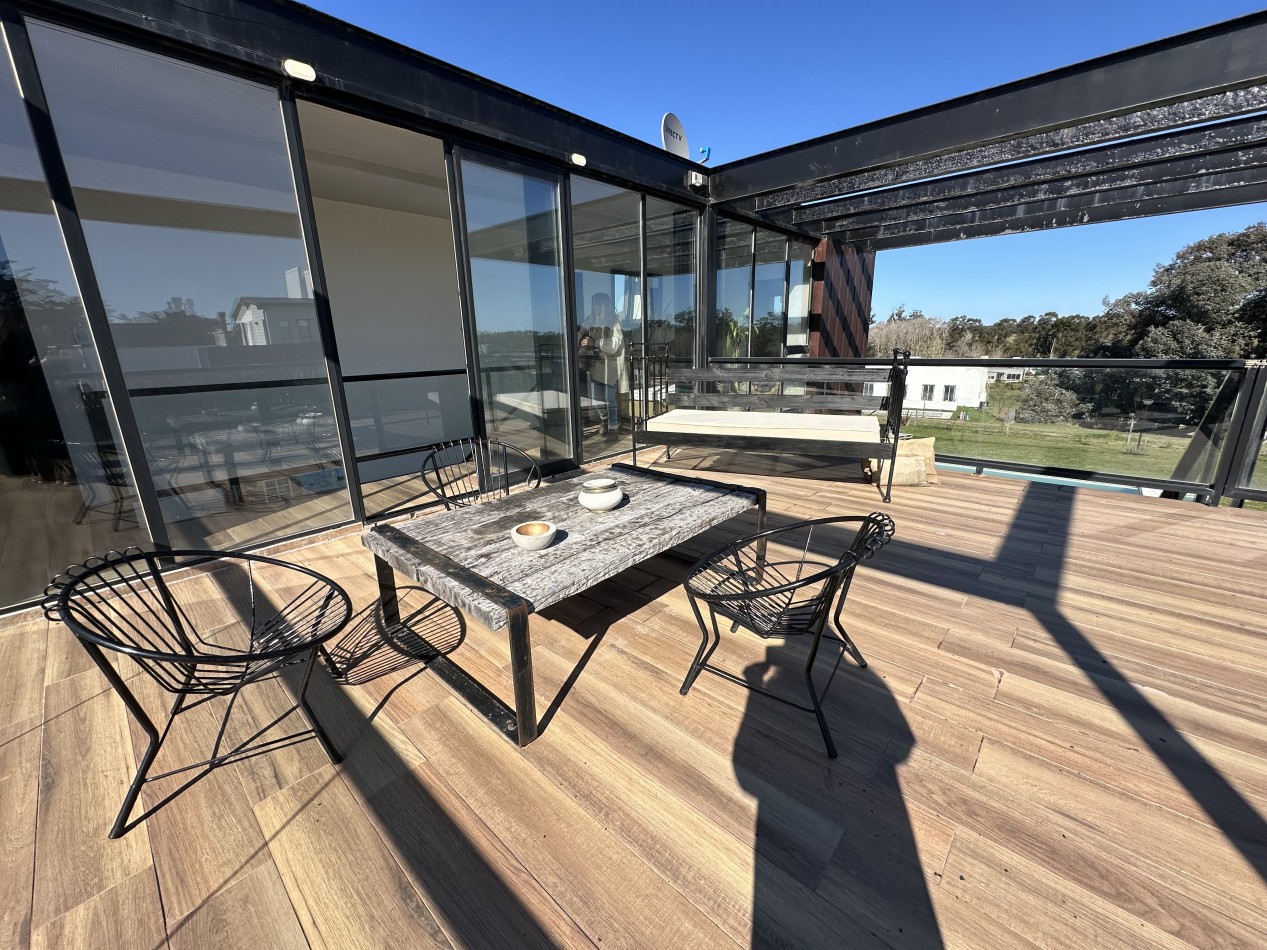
(467, 558)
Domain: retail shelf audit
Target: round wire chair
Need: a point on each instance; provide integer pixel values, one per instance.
(763, 583)
(465, 472)
(203, 635)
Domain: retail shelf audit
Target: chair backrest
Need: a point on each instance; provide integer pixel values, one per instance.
(465, 472)
(776, 594)
(205, 631)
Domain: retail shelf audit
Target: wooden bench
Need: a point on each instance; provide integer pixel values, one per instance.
(744, 406)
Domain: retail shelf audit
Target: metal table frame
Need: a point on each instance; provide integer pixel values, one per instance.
(520, 724)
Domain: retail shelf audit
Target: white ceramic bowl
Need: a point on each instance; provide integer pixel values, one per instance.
(533, 535)
(600, 494)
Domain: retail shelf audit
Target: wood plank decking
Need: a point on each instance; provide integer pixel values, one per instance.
(1061, 741)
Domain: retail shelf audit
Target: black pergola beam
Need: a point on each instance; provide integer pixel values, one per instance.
(373, 76)
(1105, 184)
(1206, 109)
(1196, 196)
(1209, 139)
(1207, 61)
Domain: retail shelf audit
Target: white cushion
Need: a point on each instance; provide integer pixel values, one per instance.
(769, 425)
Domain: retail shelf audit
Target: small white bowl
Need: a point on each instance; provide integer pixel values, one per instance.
(600, 494)
(533, 535)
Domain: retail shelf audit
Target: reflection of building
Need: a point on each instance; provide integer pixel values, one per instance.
(261, 321)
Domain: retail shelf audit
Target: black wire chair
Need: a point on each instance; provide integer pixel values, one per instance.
(756, 583)
(465, 472)
(195, 648)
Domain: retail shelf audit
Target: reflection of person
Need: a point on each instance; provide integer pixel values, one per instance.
(603, 354)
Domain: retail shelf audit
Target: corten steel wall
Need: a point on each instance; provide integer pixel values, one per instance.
(840, 304)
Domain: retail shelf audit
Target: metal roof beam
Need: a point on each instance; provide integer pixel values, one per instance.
(1194, 65)
(1192, 194)
(1154, 173)
(1209, 139)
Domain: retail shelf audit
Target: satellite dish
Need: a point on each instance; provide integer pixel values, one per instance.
(674, 136)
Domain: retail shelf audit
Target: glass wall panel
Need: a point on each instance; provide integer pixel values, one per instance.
(607, 255)
(670, 322)
(388, 415)
(182, 179)
(381, 198)
(65, 488)
(800, 285)
(512, 221)
(1167, 424)
(733, 310)
(768, 293)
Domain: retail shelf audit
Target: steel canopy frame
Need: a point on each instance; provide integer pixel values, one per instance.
(1150, 130)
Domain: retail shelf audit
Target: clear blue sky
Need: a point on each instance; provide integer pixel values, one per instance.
(745, 77)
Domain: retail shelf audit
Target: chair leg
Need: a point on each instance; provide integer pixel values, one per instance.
(843, 636)
(705, 649)
(813, 693)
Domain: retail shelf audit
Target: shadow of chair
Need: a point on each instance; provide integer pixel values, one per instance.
(464, 472)
(175, 631)
(780, 584)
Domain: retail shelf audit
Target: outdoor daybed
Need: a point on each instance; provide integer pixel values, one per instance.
(747, 406)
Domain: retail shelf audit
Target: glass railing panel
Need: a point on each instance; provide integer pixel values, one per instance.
(1143, 423)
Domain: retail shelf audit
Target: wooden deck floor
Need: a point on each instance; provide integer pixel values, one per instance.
(1061, 741)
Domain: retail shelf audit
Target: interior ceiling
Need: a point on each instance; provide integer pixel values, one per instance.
(1176, 125)
(360, 161)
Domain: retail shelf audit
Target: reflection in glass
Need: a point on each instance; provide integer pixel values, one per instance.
(182, 180)
(733, 311)
(65, 488)
(392, 414)
(225, 462)
(670, 321)
(607, 255)
(512, 222)
(768, 293)
(799, 287)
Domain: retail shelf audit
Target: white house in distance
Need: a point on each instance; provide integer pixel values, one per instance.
(938, 391)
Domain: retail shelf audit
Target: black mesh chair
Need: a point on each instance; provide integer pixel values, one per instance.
(780, 583)
(203, 635)
(466, 472)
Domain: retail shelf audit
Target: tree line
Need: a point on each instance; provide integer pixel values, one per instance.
(1208, 302)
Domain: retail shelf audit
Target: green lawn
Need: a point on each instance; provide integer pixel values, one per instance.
(1056, 445)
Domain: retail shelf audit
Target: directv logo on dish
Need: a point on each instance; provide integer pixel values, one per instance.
(674, 136)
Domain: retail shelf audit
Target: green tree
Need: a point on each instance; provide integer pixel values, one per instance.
(1044, 400)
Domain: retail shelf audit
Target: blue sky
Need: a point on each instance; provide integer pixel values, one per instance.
(745, 77)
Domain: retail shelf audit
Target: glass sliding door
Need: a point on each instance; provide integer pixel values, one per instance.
(607, 256)
(733, 311)
(513, 243)
(182, 180)
(66, 489)
(381, 198)
(669, 326)
(769, 293)
(800, 286)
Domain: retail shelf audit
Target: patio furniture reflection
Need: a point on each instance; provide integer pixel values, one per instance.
(200, 636)
(782, 592)
(100, 467)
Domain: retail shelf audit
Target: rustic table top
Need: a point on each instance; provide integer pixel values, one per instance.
(467, 558)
